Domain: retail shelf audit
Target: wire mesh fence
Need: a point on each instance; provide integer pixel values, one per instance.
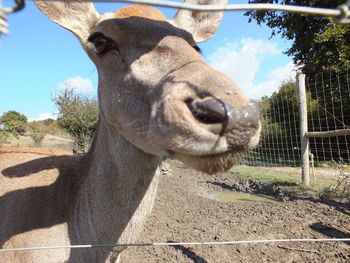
(280, 140)
(328, 104)
(330, 110)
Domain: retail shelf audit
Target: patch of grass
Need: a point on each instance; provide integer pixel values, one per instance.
(256, 157)
(341, 189)
(284, 182)
(327, 166)
(266, 174)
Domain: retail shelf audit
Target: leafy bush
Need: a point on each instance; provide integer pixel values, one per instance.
(37, 138)
(78, 115)
(14, 122)
(3, 137)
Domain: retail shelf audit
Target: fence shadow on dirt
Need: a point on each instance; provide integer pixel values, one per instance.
(330, 231)
(189, 253)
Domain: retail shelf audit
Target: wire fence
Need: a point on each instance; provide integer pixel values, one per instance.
(340, 15)
(328, 109)
(180, 244)
(280, 137)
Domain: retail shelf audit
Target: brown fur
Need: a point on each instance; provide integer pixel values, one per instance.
(146, 86)
(144, 11)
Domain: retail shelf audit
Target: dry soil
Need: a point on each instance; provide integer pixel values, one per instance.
(184, 213)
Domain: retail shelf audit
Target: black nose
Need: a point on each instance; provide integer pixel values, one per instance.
(210, 110)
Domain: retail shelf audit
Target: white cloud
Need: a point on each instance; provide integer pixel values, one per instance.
(275, 78)
(44, 116)
(242, 61)
(78, 84)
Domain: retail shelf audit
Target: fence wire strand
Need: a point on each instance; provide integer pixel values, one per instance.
(341, 14)
(179, 244)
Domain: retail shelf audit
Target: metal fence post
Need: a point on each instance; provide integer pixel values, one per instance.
(304, 140)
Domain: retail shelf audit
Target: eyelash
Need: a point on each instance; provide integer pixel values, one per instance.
(197, 48)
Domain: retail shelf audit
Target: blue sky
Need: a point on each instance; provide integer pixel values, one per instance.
(38, 58)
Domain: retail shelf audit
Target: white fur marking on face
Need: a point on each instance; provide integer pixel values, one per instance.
(255, 139)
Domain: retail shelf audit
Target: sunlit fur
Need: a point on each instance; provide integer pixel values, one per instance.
(145, 83)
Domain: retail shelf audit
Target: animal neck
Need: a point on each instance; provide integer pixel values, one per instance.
(118, 191)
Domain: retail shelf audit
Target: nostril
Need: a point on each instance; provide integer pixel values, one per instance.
(208, 110)
(247, 117)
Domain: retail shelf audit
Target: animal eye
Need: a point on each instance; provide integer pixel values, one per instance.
(101, 45)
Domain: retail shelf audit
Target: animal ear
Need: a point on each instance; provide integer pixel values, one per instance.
(202, 25)
(76, 16)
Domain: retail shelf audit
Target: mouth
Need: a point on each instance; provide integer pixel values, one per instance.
(211, 163)
(237, 143)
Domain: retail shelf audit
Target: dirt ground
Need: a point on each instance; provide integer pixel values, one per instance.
(184, 213)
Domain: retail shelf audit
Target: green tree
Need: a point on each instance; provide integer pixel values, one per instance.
(13, 122)
(333, 48)
(78, 115)
(317, 43)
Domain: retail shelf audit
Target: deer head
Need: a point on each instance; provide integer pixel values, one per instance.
(155, 88)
